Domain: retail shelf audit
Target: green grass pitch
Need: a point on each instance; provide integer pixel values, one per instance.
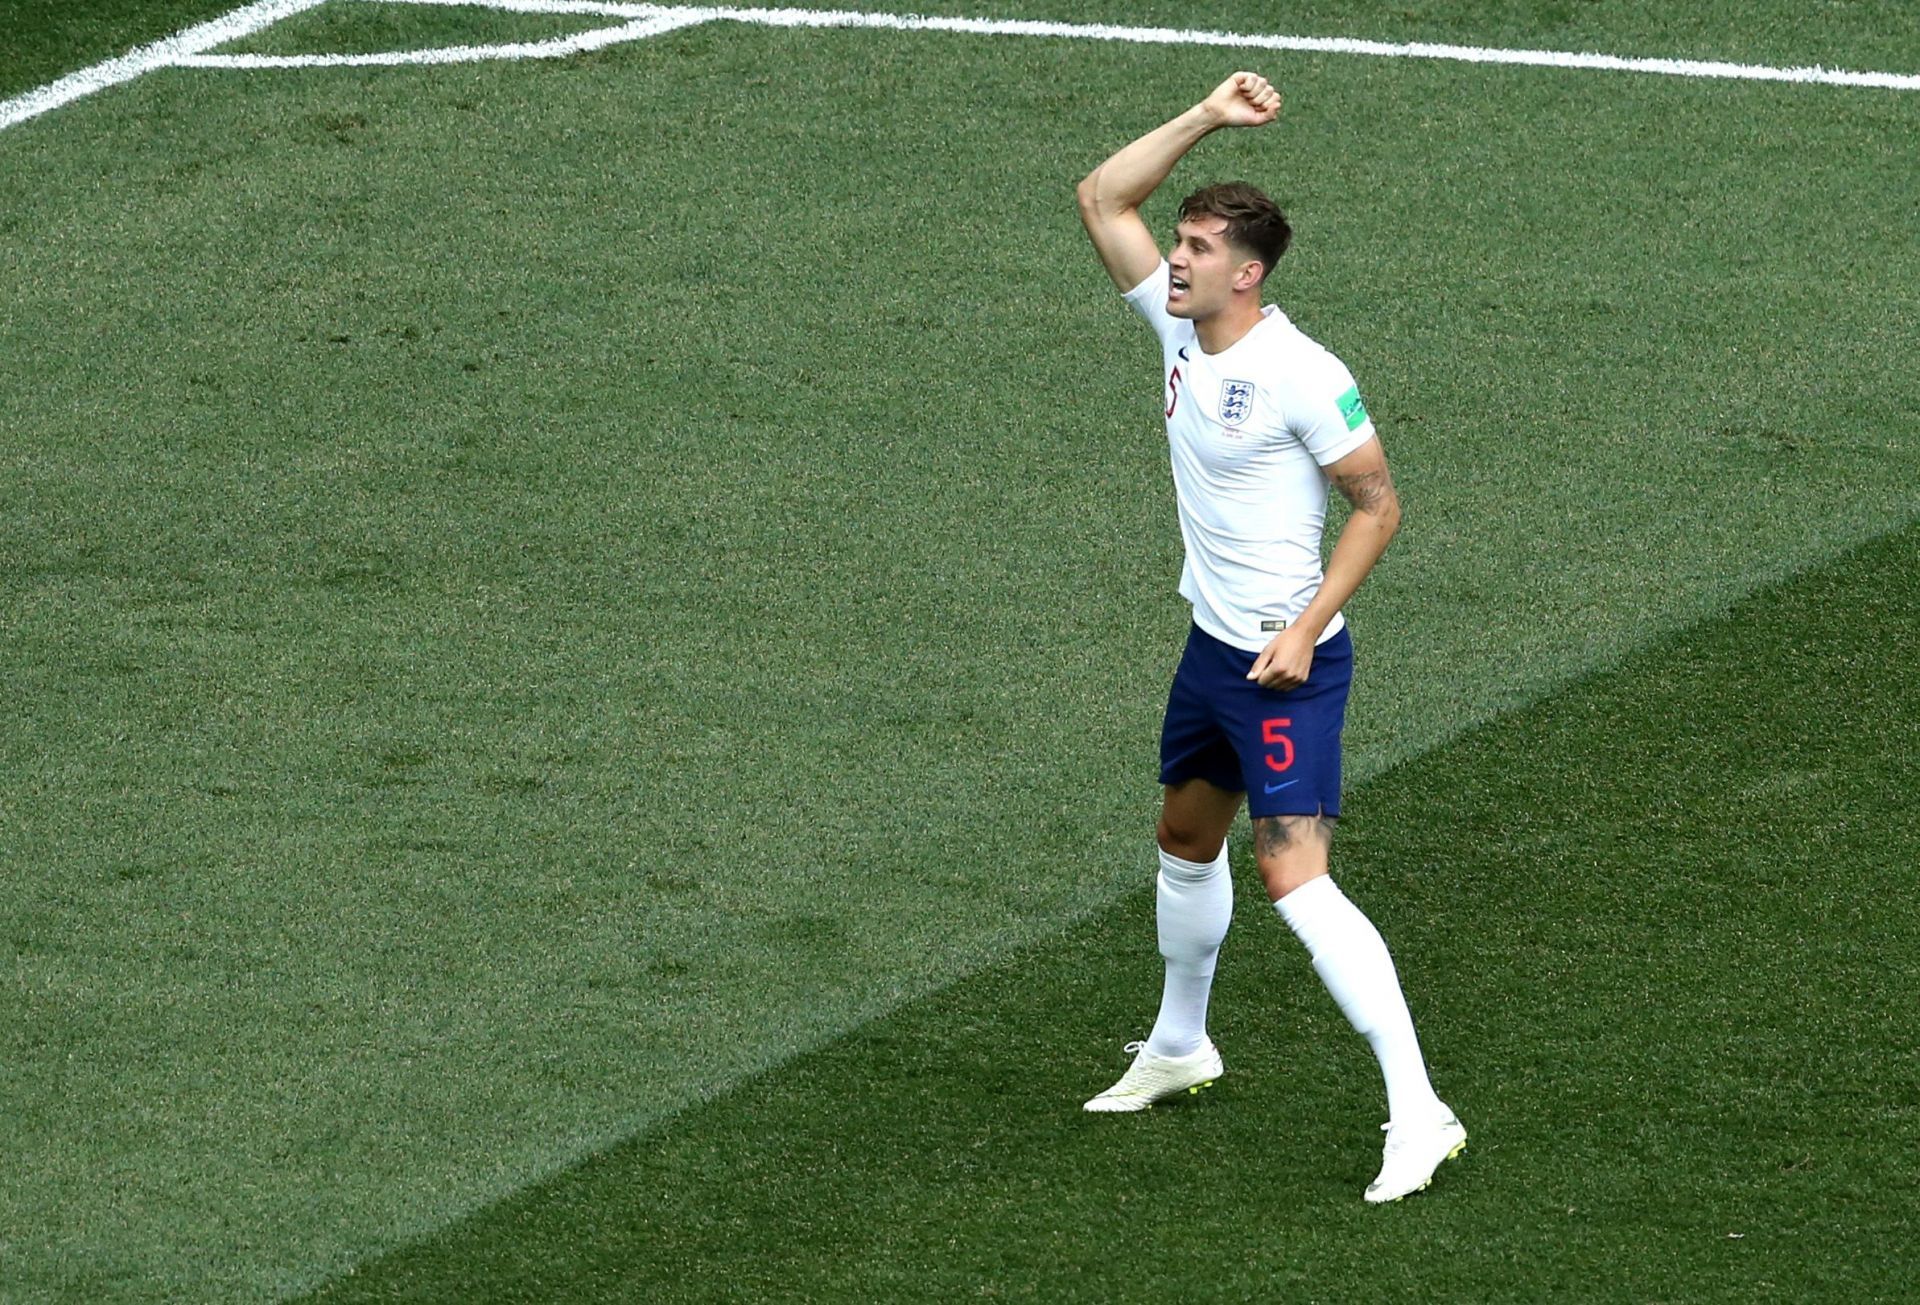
(583, 643)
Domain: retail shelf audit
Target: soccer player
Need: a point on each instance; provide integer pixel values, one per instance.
(1259, 419)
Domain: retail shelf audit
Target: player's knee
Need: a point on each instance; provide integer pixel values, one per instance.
(1187, 841)
(1291, 851)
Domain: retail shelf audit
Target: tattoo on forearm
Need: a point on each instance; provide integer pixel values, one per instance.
(1368, 491)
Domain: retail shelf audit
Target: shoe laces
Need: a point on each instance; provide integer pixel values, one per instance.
(1134, 1048)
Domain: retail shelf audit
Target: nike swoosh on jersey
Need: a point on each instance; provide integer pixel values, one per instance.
(1275, 788)
(1183, 354)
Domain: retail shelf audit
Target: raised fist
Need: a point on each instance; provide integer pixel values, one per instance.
(1243, 100)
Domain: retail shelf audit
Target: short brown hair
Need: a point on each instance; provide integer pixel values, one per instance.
(1255, 223)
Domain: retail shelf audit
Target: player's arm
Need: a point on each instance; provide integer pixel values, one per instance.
(1364, 481)
(1111, 195)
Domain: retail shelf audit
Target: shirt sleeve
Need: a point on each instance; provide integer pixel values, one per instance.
(1149, 299)
(1326, 414)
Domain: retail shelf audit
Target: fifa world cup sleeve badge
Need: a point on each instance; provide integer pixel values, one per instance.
(1352, 409)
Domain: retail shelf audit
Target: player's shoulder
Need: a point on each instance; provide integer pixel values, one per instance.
(1280, 334)
(1292, 358)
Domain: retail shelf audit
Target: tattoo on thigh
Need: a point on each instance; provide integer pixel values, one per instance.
(1272, 834)
(1278, 833)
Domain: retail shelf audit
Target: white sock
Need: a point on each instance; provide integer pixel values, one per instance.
(1192, 909)
(1352, 960)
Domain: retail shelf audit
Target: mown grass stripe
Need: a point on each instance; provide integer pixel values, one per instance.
(1644, 924)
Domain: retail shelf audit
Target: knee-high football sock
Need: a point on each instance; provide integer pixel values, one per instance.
(1352, 960)
(1192, 909)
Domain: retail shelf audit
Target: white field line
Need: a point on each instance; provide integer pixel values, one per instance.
(609, 8)
(1232, 40)
(558, 47)
(189, 47)
(1310, 44)
(244, 21)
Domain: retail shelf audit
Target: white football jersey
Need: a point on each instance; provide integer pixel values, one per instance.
(1249, 429)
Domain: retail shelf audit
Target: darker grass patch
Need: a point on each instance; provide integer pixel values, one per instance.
(668, 880)
(416, 846)
(369, 575)
(501, 784)
(346, 128)
(1759, 439)
(403, 759)
(1596, 904)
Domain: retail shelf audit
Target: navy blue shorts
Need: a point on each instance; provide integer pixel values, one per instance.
(1281, 749)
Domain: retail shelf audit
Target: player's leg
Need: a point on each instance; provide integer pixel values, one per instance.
(1193, 904)
(1292, 765)
(1353, 962)
(1193, 892)
(1348, 954)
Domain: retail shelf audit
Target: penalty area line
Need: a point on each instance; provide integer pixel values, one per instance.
(1567, 59)
(558, 47)
(1305, 44)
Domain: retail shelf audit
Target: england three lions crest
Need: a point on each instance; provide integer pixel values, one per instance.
(1236, 402)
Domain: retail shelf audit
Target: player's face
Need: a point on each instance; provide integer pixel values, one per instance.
(1204, 270)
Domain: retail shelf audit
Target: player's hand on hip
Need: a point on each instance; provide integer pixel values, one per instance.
(1285, 661)
(1243, 100)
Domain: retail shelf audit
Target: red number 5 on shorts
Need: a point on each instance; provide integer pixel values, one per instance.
(1270, 734)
